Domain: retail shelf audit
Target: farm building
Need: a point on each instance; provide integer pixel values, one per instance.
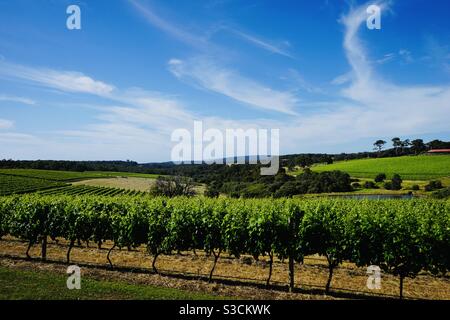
(439, 151)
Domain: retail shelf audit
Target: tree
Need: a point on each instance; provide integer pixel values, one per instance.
(172, 186)
(405, 144)
(438, 144)
(418, 146)
(370, 185)
(304, 161)
(433, 185)
(291, 165)
(396, 142)
(379, 144)
(212, 189)
(380, 177)
(288, 189)
(388, 185)
(396, 182)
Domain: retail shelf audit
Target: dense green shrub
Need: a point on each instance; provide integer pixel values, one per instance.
(380, 177)
(370, 185)
(441, 194)
(433, 185)
(396, 182)
(356, 185)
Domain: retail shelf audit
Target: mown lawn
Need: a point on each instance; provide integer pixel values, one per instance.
(425, 167)
(39, 285)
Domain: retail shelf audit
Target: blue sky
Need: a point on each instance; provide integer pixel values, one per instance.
(137, 70)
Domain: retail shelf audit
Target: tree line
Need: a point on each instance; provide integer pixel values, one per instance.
(407, 147)
(402, 237)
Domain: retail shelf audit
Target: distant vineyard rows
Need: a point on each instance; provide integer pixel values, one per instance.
(85, 190)
(16, 184)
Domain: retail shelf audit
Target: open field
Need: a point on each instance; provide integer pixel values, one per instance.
(234, 276)
(70, 175)
(20, 283)
(408, 167)
(129, 183)
(407, 186)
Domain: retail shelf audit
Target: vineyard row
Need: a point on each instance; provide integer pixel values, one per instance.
(403, 237)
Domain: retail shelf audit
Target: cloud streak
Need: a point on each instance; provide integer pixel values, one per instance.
(261, 43)
(206, 74)
(152, 18)
(68, 81)
(380, 108)
(137, 123)
(4, 97)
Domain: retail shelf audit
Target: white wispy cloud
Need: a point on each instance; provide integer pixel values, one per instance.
(137, 124)
(208, 74)
(380, 108)
(167, 26)
(5, 97)
(299, 82)
(342, 79)
(403, 55)
(69, 81)
(438, 54)
(163, 108)
(6, 124)
(264, 44)
(406, 56)
(202, 41)
(386, 58)
(204, 73)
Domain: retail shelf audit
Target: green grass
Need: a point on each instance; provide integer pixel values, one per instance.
(39, 285)
(408, 167)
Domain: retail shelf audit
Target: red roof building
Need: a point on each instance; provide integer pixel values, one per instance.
(439, 151)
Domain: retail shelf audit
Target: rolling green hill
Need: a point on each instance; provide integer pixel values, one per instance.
(408, 167)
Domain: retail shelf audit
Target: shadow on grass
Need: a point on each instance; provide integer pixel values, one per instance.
(341, 293)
